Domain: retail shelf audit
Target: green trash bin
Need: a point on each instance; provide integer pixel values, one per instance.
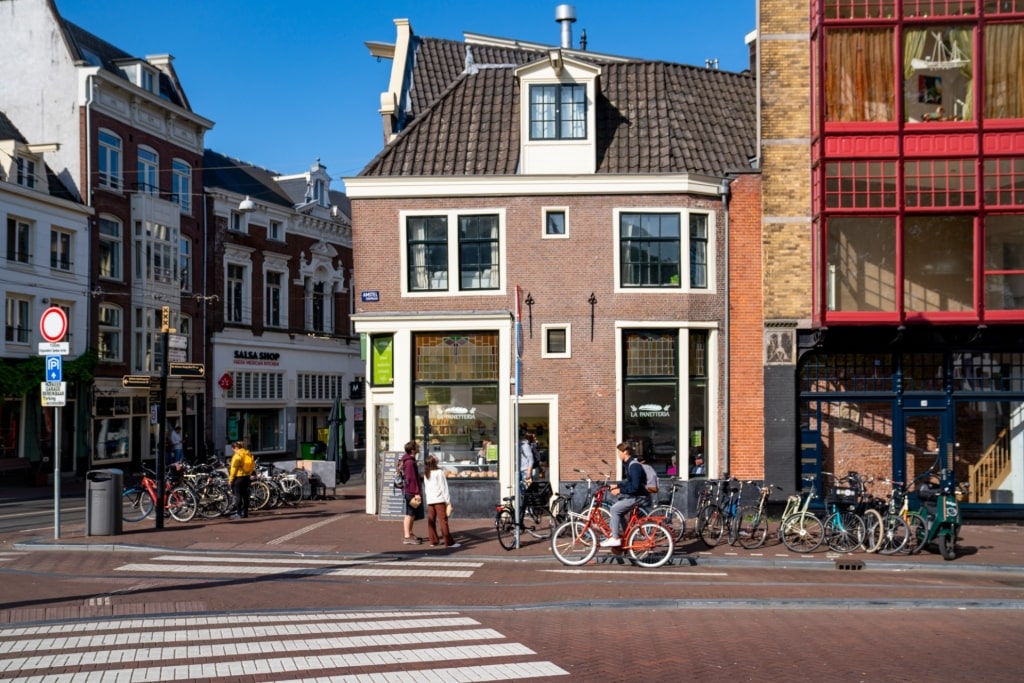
(103, 502)
(306, 449)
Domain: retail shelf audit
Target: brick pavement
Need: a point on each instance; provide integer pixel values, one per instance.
(340, 525)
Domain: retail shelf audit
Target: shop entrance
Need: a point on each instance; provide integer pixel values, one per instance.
(539, 415)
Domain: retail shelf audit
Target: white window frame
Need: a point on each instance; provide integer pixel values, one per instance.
(238, 223)
(148, 179)
(454, 279)
(181, 185)
(26, 172)
(22, 236)
(111, 155)
(64, 248)
(684, 249)
(275, 231)
(116, 247)
(278, 298)
(544, 329)
(18, 306)
(547, 211)
(112, 327)
(185, 263)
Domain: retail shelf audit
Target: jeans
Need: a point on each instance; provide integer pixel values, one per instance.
(619, 510)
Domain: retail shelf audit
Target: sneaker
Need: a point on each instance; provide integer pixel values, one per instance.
(455, 545)
(412, 540)
(611, 543)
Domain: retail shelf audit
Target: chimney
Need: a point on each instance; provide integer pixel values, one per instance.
(566, 16)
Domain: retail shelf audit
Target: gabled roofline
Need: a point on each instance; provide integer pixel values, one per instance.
(513, 44)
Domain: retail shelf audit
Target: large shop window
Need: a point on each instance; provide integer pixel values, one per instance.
(938, 270)
(456, 401)
(651, 418)
(1004, 263)
(262, 430)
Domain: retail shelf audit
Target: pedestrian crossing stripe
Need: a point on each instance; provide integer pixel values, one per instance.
(248, 645)
(262, 566)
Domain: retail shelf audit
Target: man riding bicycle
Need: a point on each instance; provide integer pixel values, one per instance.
(631, 491)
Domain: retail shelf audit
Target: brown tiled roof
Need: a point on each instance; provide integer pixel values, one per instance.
(652, 117)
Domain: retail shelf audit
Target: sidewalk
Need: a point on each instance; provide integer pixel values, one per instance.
(340, 526)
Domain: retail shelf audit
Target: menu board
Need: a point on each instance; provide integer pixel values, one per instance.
(390, 501)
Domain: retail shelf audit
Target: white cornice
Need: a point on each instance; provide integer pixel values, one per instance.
(393, 187)
(133, 91)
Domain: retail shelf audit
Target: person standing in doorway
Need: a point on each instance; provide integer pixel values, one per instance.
(239, 473)
(177, 451)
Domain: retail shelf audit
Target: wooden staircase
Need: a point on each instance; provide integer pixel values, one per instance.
(991, 469)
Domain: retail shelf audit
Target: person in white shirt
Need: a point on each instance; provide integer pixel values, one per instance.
(438, 501)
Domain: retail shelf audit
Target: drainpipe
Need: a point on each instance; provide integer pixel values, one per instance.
(723, 192)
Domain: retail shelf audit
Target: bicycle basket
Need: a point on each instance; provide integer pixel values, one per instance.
(537, 494)
(844, 499)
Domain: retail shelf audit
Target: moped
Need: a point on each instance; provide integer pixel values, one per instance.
(941, 512)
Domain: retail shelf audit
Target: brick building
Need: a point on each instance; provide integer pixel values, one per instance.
(893, 240)
(585, 196)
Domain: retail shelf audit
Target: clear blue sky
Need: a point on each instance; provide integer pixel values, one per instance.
(287, 82)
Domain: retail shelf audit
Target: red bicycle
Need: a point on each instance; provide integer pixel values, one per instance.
(648, 542)
(139, 500)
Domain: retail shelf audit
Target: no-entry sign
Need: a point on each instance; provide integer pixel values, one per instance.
(53, 324)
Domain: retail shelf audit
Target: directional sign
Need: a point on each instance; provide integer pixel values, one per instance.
(136, 381)
(53, 324)
(53, 394)
(186, 369)
(54, 369)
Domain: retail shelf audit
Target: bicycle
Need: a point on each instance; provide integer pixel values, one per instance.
(673, 517)
(844, 529)
(534, 505)
(890, 533)
(561, 503)
(722, 516)
(139, 500)
(708, 493)
(753, 519)
(575, 542)
(800, 530)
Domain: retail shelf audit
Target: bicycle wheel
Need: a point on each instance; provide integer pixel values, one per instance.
(734, 527)
(873, 530)
(574, 543)
(538, 522)
(918, 526)
(650, 544)
(894, 535)
(673, 520)
(504, 524)
(136, 504)
(801, 532)
(259, 495)
(753, 527)
(181, 504)
(212, 500)
(712, 530)
(844, 532)
(291, 490)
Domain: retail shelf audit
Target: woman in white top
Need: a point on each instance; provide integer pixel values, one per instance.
(437, 500)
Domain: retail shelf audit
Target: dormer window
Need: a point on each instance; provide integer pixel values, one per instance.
(142, 76)
(26, 172)
(319, 195)
(558, 112)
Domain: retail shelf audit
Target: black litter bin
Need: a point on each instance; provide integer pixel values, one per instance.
(103, 502)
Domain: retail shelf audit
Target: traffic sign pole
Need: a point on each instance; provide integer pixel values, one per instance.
(53, 325)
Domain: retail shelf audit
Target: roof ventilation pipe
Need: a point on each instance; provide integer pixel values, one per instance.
(566, 16)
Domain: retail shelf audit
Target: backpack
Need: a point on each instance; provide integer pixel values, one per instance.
(399, 480)
(652, 478)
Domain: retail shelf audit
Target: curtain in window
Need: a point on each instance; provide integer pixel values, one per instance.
(859, 75)
(1004, 71)
(419, 274)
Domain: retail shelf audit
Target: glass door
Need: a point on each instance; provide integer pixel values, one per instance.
(926, 437)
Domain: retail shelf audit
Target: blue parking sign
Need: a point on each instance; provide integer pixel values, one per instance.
(54, 369)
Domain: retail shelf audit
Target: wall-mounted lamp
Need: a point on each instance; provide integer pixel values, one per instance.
(529, 301)
(247, 204)
(593, 302)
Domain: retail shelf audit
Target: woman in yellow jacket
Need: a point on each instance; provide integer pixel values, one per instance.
(242, 466)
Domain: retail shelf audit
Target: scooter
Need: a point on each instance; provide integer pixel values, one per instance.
(941, 512)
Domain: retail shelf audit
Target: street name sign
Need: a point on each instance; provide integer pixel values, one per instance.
(136, 381)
